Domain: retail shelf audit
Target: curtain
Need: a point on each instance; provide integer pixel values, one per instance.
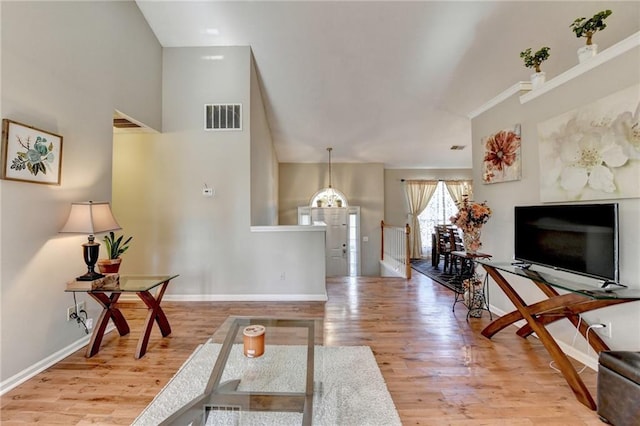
(459, 188)
(419, 192)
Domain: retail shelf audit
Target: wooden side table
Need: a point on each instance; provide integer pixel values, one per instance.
(107, 296)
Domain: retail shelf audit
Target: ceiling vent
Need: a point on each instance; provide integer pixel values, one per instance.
(457, 147)
(223, 117)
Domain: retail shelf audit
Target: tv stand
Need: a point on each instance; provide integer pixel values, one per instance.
(576, 299)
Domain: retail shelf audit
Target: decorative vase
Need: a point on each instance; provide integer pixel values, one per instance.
(109, 266)
(471, 240)
(538, 79)
(586, 52)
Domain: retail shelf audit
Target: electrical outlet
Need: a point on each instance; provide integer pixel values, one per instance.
(71, 310)
(608, 330)
(89, 323)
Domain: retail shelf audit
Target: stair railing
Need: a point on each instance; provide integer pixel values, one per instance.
(394, 248)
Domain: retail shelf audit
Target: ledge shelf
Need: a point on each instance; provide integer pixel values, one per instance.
(606, 55)
(629, 43)
(519, 87)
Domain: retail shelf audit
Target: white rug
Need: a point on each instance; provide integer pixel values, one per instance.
(350, 389)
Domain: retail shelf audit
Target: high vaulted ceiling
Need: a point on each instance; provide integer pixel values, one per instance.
(385, 81)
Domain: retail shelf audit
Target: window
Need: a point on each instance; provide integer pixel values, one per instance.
(440, 208)
(354, 256)
(328, 197)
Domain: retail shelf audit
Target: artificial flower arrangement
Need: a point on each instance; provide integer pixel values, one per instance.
(471, 216)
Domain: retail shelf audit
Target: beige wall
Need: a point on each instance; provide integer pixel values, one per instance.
(396, 207)
(362, 184)
(378, 191)
(63, 70)
(595, 84)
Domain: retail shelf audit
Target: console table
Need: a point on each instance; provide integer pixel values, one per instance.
(141, 285)
(578, 299)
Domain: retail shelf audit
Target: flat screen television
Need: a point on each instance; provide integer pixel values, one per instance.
(578, 238)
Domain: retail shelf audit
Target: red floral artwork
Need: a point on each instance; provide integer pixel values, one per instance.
(502, 157)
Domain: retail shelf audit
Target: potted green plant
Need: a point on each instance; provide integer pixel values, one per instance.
(535, 60)
(116, 247)
(583, 27)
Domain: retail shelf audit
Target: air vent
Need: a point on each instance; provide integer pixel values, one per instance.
(123, 123)
(457, 147)
(223, 117)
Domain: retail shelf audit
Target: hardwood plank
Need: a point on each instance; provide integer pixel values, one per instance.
(438, 367)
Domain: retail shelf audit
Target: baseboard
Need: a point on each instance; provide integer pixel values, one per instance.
(569, 350)
(39, 367)
(246, 297)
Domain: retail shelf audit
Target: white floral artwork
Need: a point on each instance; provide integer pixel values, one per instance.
(593, 152)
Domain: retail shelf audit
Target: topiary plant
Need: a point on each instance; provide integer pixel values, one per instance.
(584, 27)
(536, 59)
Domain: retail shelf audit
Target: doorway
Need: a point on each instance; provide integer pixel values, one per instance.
(336, 239)
(342, 244)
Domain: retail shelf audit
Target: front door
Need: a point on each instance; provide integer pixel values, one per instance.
(337, 238)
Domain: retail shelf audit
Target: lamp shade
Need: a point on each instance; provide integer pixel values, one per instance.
(90, 218)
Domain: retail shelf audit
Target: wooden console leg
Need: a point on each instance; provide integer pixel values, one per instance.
(109, 311)
(154, 314)
(566, 368)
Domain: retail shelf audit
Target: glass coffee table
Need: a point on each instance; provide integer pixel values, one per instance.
(281, 380)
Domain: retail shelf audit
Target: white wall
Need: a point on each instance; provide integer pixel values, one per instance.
(498, 233)
(63, 70)
(264, 162)
(157, 192)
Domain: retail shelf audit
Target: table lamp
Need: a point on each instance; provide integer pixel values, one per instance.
(90, 218)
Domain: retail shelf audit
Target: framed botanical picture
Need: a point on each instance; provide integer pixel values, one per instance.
(501, 161)
(30, 154)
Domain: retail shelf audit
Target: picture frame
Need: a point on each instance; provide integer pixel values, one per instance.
(502, 159)
(591, 152)
(30, 154)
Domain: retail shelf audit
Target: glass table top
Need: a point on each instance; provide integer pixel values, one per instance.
(283, 380)
(590, 289)
(116, 283)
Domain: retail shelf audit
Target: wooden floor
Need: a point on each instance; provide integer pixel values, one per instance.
(438, 367)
